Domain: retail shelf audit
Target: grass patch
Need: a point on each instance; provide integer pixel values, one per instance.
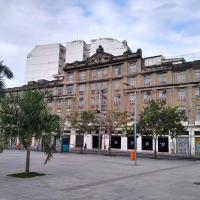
(26, 175)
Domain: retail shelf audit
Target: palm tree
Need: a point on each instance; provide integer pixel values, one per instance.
(26, 116)
(4, 72)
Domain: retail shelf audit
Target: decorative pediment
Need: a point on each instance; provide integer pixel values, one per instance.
(100, 57)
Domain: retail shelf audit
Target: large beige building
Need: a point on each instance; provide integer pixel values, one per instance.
(98, 82)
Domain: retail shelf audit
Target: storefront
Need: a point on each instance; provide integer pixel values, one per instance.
(147, 143)
(96, 140)
(65, 143)
(116, 142)
(130, 142)
(163, 144)
(79, 141)
(197, 142)
(182, 145)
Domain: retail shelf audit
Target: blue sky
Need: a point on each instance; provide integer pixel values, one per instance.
(168, 27)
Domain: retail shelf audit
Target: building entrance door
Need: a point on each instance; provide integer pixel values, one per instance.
(65, 143)
(116, 142)
(130, 142)
(197, 145)
(163, 145)
(182, 145)
(95, 141)
(79, 141)
(147, 143)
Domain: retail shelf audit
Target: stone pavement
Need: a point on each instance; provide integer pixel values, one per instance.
(74, 176)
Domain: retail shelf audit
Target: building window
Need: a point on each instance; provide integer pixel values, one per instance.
(197, 113)
(181, 109)
(180, 77)
(105, 72)
(81, 102)
(58, 104)
(69, 103)
(93, 87)
(147, 96)
(104, 100)
(60, 91)
(81, 88)
(49, 101)
(104, 85)
(50, 91)
(181, 94)
(99, 73)
(69, 89)
(162, 79)
(117, 100)
(99, 86)
(131, 99)
(147, 80)
(117, 70)
(70, 77)
(93, 102)
(162, 95)
(94, 74)
(131, 81)
(197, 92)
(132, 68)
(116, 85)
(82, 76)
(197, 75)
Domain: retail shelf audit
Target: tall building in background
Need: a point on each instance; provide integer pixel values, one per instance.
(79, 50)
(110, 45)
(44, 61)
(76, 50)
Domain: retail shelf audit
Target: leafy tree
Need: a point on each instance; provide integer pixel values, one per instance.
(113, 120)
(26, 116)
(84, 122)
(5, 72)
(157, 119)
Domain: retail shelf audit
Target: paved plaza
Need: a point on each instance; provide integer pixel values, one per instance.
(74, 176)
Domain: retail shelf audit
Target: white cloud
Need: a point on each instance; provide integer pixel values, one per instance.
(169, 27)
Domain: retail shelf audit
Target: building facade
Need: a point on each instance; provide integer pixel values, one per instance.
(82, 82)
(44, 61)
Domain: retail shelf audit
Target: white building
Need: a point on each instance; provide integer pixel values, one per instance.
(79, 50)
(44, 61)
(76, 51)
(110, 45)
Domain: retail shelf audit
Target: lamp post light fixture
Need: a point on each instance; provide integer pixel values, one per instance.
(135, 126)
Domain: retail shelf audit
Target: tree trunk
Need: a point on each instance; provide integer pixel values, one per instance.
(155, 149)
(27, 166)
(109, 143)
(83, 144)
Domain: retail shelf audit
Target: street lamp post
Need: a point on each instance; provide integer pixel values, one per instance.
(100, 113)
(135, 126)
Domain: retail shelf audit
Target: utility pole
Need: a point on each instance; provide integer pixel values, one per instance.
(135, 121)
(100, 113)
